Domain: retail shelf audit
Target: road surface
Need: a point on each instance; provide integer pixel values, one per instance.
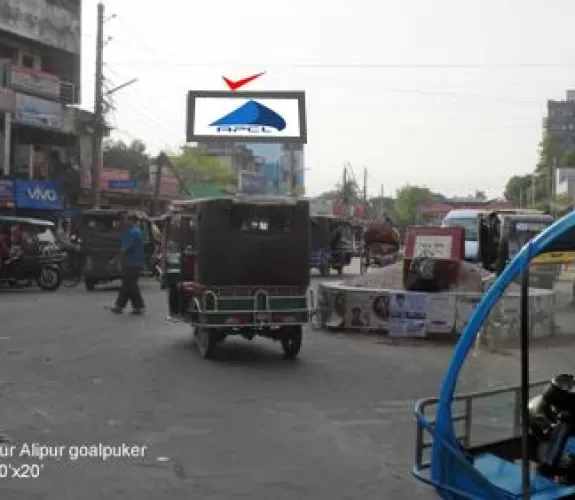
(334, 425)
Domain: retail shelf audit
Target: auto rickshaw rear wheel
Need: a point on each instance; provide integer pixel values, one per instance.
(90, 284)
(291, 341)
(206, 341)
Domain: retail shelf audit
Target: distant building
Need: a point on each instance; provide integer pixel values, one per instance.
(559, 125)
(263, 168)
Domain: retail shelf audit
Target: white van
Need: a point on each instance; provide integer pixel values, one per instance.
(468, 220)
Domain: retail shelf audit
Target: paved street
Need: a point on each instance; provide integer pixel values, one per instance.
(336, 424)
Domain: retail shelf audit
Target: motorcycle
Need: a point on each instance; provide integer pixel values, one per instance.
(23, 270)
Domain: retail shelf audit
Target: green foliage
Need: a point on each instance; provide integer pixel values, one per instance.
(132, 157)
(518, 186)
(480, 195)
(407, 202)
(194, 167)
(569, 159)
(546, 154)
(348, 192)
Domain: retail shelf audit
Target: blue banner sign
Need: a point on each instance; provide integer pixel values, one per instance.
(122, 184)
(38, 195)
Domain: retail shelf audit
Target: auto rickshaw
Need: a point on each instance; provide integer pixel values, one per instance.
(503, 424)
(243, 269)
(39, 259)
(332, 246)
(321, 237)
(100, 232)
(502, 234)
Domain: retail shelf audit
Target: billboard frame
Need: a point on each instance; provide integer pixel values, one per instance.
(220, 94)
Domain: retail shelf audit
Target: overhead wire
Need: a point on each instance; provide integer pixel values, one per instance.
(351, 66)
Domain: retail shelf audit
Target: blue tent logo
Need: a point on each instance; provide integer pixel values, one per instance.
(252, 113)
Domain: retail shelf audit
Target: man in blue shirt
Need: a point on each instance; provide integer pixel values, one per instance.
(132, 260)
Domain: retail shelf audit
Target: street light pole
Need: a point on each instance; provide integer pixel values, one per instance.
(98, 132)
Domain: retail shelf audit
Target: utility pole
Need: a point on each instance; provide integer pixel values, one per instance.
(365, 184)
(552, 198)
(344, 187)
(161, 161)
(292, 171)
(98, 133)
(533, 191)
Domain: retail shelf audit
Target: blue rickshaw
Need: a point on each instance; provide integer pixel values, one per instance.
(503, 426)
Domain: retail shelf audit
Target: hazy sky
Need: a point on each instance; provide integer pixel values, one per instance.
(444, 93)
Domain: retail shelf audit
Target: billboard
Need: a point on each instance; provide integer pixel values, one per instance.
(57, 24)
(246, 117)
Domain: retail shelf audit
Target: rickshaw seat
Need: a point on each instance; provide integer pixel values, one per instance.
(507, 477)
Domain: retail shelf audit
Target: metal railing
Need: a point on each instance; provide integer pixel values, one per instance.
(465, 416)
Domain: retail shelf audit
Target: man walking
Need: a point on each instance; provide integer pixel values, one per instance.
(132, 260)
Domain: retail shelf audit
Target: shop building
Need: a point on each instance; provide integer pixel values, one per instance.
(40, 125)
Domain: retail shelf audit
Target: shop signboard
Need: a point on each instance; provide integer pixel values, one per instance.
(38, 195)
(35, 82)
(36, 112)
(119, 184)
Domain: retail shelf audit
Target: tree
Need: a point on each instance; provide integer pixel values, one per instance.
(407, 202)
(195, 167)
(480, 195)
(517, 188)
(348, 192)
(569, 159)
(132, 157)
(547, 155)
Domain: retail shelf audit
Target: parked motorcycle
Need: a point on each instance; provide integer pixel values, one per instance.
(24, 270)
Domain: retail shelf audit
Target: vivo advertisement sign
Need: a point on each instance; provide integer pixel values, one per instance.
(38, 195)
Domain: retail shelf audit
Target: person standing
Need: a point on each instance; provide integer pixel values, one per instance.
(132, 260)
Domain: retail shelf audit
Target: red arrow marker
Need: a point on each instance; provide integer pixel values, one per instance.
(240, 83)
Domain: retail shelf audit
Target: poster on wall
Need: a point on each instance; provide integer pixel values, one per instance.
(407, 315)
(464, 309)
(379, 311)
(440, 312)
(358, 310)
